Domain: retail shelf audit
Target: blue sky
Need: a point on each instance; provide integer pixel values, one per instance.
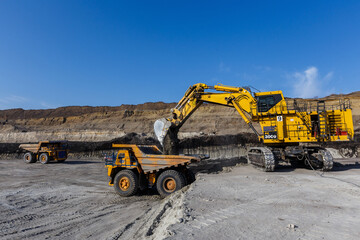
(108, 53)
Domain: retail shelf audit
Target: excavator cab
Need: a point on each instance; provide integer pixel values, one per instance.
(266, 101)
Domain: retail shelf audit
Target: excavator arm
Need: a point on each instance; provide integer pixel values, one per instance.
(235, 97)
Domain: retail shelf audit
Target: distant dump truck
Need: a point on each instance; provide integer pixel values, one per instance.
(136, 167)
(45, 151)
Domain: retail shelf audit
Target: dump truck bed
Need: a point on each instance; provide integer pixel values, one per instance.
(31, 147)
(35, 147)
(151, 164)
(151, 159)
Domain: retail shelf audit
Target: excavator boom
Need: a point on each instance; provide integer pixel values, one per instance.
(236, 97)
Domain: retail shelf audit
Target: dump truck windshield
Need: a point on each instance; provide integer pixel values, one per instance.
(150, 150)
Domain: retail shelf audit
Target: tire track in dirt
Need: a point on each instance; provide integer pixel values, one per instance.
(64, 202)
(154, 223)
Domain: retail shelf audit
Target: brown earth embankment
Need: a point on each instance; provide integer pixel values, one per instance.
(99, 124)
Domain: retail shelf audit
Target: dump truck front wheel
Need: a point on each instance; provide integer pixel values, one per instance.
(29, 158)
(126, 183)
(169, 181)
(44, 158)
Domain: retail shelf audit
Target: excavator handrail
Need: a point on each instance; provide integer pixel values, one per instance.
(309, 106)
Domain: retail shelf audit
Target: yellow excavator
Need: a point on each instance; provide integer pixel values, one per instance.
(291, 131)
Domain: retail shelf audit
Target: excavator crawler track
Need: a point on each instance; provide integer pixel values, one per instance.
(327, 160)
(262, 157)
(321, 159)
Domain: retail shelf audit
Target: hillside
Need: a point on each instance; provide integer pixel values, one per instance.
(76, 123)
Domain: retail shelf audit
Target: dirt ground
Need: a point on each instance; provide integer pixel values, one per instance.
(287, 204)
(72, 200)
(69, 200)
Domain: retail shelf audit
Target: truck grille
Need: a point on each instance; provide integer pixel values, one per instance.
(110, 159)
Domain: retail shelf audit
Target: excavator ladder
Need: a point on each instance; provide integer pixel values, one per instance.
(321, 110)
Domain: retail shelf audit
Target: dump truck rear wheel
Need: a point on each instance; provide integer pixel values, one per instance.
(169, 181)
(29, 158)
(126, 183)
(44, 158)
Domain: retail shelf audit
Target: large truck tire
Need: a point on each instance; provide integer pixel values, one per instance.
(126, 183)
(169, 181)
(29, 158)
(44, 158)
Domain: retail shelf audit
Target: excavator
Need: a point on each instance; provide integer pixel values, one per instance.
(292, 132)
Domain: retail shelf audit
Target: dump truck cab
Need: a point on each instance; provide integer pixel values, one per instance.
(45, 151)
(135, 167)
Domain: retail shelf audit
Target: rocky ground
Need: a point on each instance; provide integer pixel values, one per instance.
(287, 204)
(70, 200)
(229, 200)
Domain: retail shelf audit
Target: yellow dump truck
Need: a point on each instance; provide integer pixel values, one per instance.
(136, 167)
(45, 151)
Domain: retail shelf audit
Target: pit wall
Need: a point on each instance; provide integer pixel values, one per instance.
(214, 152)
(216, 147)
(217, 152)
(80, 136)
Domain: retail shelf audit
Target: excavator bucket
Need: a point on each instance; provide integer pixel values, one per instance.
(161, 127)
